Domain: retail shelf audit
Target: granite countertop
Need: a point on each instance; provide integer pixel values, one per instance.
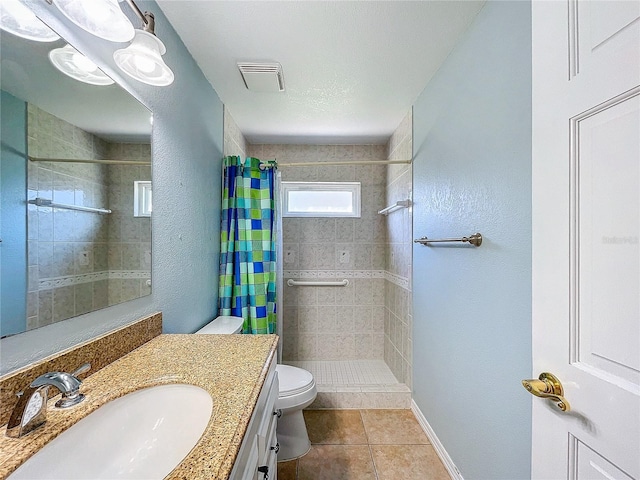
(232, 368)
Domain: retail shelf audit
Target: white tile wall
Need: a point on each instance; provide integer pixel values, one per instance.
(60, 285)
(234, 141)
(398, 319)
(334, 323)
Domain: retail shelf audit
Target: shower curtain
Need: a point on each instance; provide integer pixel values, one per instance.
(247, 285)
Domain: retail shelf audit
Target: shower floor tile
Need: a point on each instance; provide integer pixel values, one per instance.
(355, 384)
(349, 373)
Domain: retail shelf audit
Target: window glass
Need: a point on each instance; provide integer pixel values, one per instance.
(142, 199)
(321, 199)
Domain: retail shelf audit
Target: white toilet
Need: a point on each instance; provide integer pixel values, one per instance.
(297, 391)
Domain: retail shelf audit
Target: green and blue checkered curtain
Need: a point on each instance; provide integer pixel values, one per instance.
(248, 244)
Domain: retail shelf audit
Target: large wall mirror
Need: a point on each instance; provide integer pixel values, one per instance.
(59, 261)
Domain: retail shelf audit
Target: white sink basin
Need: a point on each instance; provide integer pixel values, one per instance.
(144, 434)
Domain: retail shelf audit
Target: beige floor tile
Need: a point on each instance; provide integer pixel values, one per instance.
(287, 470)
(337, 462)
(335, 427)
(393, 427)
(408, 462)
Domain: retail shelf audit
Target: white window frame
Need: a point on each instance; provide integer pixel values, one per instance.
(352, 187)
(142, 198)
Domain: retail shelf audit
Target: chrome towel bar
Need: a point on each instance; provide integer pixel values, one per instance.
(297, 283)
(43, 202)
(396, 206)
(83, 160)
(475, 239)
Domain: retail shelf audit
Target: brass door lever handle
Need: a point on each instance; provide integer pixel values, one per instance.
(548, 386)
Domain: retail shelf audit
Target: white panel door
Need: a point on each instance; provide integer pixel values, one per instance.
(586, 229)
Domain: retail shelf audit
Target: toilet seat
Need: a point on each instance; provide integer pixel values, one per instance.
(297, 387)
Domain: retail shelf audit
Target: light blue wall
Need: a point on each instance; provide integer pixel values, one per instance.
(472, 306)
(13, 216)
(187, 150)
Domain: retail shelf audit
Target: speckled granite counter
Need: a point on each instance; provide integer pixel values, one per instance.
(232, 368)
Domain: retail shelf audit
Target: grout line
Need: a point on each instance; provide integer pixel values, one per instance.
(363, 425)
(375, 470)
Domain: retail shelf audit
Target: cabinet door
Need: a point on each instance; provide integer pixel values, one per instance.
(267, 432)
(253, 451)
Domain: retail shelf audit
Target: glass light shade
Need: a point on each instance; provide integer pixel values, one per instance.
(74, 64)
(17, 19)
(102, 18)
(142, 60)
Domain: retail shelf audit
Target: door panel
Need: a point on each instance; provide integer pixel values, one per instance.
(602, 30)
(606, 185)
(586, 464)
(586, 227)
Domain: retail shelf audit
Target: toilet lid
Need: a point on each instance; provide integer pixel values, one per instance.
(223, 325)
(293, 380)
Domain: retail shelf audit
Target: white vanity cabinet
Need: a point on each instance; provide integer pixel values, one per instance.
(257, 458)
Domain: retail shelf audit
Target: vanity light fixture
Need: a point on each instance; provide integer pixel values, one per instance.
(74, 64)
(142, 60)
(19, 20)
(102, 18)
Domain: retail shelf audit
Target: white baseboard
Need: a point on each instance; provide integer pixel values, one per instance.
(454, 473)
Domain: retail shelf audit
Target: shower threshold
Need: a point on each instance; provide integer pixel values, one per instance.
(355, 384)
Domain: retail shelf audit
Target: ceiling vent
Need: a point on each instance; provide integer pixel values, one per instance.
(262, 77)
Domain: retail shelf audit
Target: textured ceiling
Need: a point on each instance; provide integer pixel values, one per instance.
(352, 69)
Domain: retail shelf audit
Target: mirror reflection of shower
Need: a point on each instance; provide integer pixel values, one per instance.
(81, 260)
(90, 251)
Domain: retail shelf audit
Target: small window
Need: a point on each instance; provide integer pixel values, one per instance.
(321, 199)
(142, 204)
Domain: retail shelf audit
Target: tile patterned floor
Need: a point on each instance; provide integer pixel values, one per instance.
(365, 445)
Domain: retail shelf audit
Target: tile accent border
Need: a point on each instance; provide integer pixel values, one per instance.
(396, 279)
(99, 351)
(68, 280)
(333, 274)
(454, 473)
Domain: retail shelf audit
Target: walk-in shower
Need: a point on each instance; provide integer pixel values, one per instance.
(351, 326)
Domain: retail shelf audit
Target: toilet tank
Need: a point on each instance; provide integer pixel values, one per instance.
(225, 324)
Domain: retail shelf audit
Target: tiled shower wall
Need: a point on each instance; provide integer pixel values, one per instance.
(64, 243)
(69, 252)
(234, 141)
(398, 314)
(129, 252)
(334, 323)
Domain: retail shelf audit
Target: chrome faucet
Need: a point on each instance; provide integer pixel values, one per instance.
(31, 410)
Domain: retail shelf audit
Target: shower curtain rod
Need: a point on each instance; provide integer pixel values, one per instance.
(83, 160)
(348, 162)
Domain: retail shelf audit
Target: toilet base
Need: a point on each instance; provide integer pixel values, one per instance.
(292, 436)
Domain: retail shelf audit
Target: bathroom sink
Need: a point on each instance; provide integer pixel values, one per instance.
(144, 434)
